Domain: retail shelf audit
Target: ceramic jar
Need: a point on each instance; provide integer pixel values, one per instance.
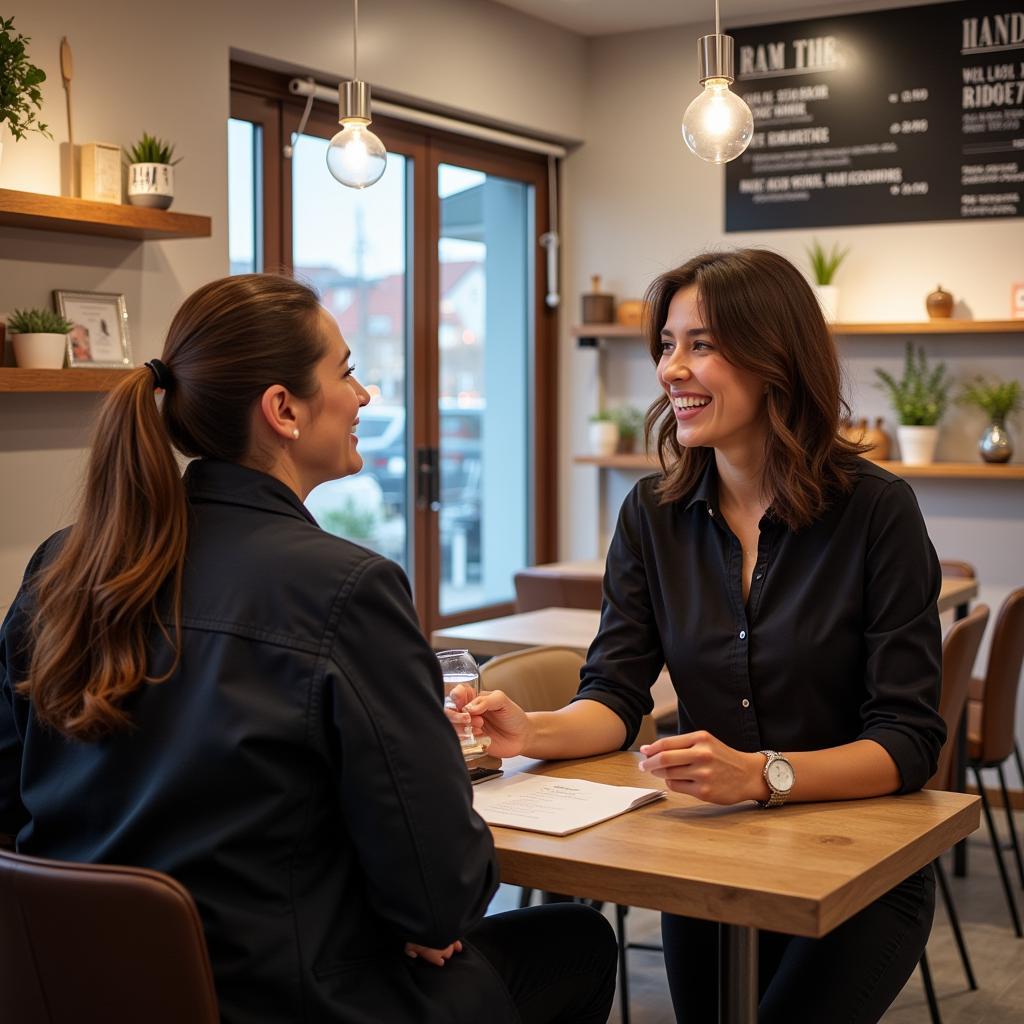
(939, 304)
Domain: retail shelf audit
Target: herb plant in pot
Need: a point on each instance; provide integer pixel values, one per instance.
(603, 434)
(151, 173)
(823, 269)
(20, 96)
(39, 338)
(997, 400)
(919, 399)
(630, 422)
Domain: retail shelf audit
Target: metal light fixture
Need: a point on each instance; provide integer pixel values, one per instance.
(355, 157)
(717, 125)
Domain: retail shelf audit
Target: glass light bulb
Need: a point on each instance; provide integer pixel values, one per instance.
(356, 157)
(718, 125)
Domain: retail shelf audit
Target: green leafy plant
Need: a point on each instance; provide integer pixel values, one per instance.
(20, 96)
(629, 420)
(919, 398)
(602, 416)
(37, 321)
(998, 399)
(350, 521)
(824, 264)
(151, 150)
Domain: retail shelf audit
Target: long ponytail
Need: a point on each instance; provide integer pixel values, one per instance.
(119, 571)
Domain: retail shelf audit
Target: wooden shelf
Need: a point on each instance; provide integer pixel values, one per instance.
(937, 470)
(53, 381)
(85, 217)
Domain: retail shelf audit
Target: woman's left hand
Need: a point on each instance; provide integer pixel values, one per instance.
(698, 764)
(437, 957)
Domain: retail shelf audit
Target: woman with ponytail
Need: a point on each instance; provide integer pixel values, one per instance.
(195, 678)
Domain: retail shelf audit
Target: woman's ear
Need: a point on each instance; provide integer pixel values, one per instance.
(278, 410)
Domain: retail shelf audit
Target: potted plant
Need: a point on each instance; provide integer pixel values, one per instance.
(20, 96)
(823, 268)
(39, 338)
(919, 400)
(603, 434)
(630, 422)
(997, 400)
(151, 173)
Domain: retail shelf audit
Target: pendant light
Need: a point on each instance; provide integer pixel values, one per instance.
(717, 125)
(355, 157)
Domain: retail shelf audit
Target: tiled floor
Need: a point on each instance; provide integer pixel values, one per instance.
(997, 956)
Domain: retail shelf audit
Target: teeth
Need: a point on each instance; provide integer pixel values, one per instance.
(690, 403)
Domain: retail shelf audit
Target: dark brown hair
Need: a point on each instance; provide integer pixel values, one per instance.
(764, 318)
(102, 593)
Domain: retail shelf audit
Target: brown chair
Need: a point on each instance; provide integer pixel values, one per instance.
(91, 942)
(959, 649)
(991, 715)
(538, 589)
(956, 569)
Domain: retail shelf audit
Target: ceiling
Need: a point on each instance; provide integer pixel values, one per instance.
(607, 17)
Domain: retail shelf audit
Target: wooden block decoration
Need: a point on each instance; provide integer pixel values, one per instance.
(101, 172)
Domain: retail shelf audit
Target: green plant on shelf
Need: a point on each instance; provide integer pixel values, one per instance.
(602, 416)
(825, 264)
(919, 398)
(37, 321)
(151, 150)
(21, 99)
(997, 399)
(629, 420)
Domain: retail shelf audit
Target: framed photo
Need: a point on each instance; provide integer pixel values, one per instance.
(99, 336)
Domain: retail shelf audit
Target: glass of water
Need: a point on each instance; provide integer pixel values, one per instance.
(459, 668)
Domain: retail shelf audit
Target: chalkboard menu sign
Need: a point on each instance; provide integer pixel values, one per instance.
(892, 116)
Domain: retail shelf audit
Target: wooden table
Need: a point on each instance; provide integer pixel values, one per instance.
(803, 869)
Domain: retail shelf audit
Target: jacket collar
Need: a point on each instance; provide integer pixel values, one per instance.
(231, 484)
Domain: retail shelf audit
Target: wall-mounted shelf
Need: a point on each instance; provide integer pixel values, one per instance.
(55, 381)
(936, 470)
(85, 217)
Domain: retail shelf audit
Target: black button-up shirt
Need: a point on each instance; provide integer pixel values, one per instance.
(838, 639)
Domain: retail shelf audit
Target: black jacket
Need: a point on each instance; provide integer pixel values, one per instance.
(296, 773)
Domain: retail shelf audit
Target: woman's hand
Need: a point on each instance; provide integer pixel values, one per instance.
(698, 764)
(437, 957)
(495, 715)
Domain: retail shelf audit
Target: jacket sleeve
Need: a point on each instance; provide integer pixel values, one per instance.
(903, 638)
(626, 655)
(428, 857)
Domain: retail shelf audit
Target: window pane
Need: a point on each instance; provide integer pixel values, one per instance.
(484, 341)
(244, 233)
(351, 246)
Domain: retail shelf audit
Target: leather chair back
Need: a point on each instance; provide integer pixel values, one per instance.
(956, 569)
(542, 590)
(993, 737)
(959, 649)
(544, 679)
(92, 942)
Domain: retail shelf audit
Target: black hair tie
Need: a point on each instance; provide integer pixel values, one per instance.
(161, 374)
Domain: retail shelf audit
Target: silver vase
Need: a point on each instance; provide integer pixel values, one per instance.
(995, 444)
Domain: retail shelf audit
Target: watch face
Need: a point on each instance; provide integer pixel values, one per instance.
(780, 775)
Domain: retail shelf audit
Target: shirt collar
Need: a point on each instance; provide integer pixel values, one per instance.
(706, 490)
(231, 484)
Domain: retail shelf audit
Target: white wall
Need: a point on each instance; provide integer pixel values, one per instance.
(168, 74)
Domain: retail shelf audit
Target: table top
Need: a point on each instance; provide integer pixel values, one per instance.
(577, 627)
(801, 869)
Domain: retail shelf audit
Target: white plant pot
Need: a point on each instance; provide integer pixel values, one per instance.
(917, 445)
(603, 436)
(39, 351)
(828, 299)
(151, 185)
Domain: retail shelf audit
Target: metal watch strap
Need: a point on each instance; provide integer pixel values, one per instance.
(775, 797)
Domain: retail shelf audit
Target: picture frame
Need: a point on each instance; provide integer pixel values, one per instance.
(99, 337)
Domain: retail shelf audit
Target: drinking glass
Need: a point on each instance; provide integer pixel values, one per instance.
(459, 668)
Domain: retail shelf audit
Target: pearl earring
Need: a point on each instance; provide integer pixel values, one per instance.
(295, 433)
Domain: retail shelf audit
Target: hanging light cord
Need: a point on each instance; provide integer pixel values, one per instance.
(355, 39)
(718, 24)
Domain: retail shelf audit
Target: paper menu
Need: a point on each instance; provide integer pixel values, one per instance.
(555, 806)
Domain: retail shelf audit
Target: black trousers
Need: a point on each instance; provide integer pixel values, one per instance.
(542, 965)
(851, 976)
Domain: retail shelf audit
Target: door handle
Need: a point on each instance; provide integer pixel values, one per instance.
(428, 479)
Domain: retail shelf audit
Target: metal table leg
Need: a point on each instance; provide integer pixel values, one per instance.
(737, 974)
(960, 770)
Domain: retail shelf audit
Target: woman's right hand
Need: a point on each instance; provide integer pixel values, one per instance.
(496, 715)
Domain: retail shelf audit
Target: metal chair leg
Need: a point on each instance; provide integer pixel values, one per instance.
(1020, 760)
(525, 895)
(620, 930)
(954, 922)
(1011, 902)
(929, 990)
(1010, 824)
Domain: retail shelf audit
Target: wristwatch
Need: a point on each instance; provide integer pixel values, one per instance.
(779, 775)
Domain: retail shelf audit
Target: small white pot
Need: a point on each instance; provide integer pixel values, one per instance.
(917, 445)
(39, 351)
(828, 299)
(603, 436)
(151, 185)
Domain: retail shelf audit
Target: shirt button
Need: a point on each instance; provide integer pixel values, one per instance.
(759, 575)
(743, 634)
(711, 511)
(745, 702)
